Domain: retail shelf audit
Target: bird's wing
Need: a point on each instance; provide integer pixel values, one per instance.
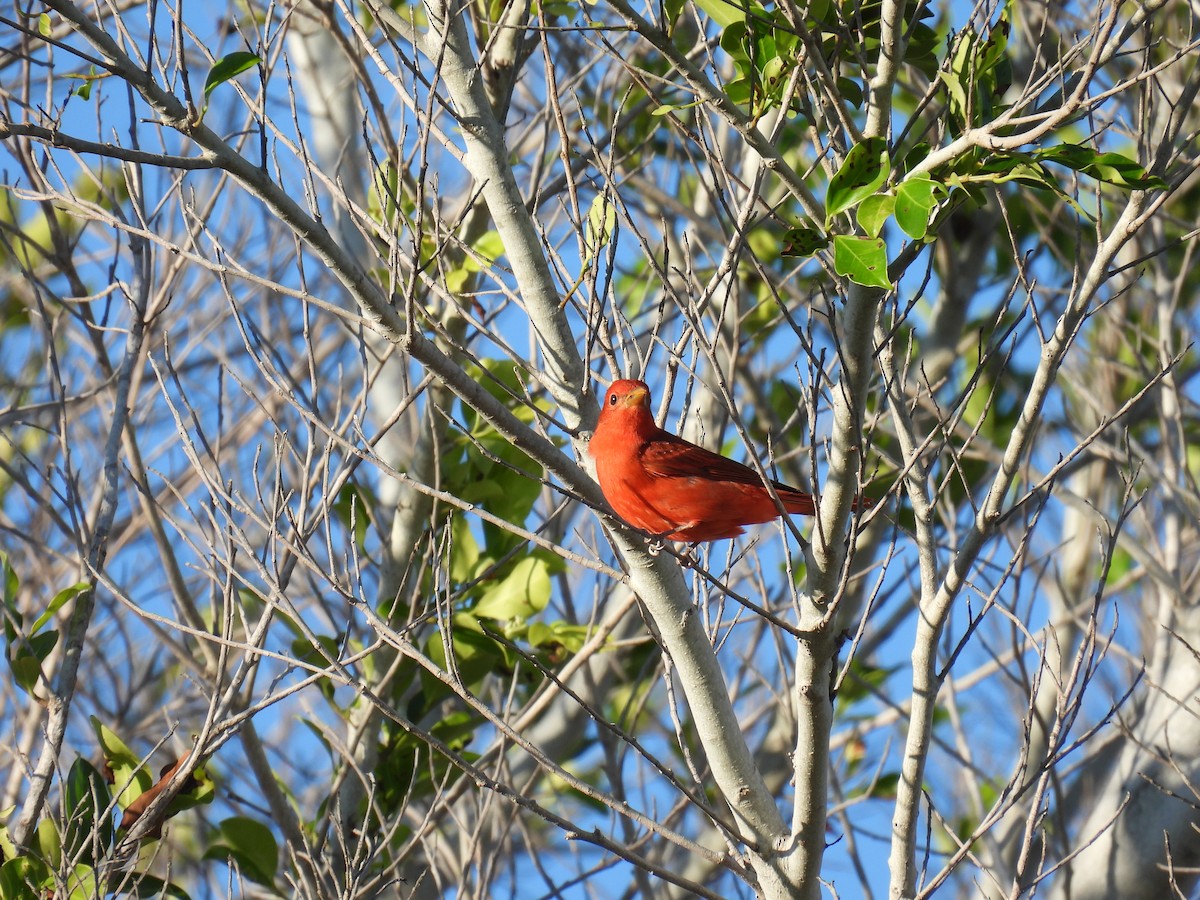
(668, 456)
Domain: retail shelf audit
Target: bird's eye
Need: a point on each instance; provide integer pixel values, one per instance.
(612, 399)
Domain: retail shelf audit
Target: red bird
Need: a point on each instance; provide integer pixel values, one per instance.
(658, 482)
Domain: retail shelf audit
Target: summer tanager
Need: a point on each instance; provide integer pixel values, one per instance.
(658, 482)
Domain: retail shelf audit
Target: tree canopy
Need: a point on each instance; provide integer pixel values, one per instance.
(309, 589)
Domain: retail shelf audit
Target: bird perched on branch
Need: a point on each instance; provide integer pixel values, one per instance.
(660, 483)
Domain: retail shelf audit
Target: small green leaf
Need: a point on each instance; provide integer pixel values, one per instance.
(229, 66)
(671, 11)
(863, 172)
(725, 13)
(486, 250)
(523, 592)
(803, 242)
(44, 28)
(47, 843)
(26, 656)
(862, 260)
(81, 882)
(56, 604)
(914, 202)
(251, 844)
(464, 550)
(851, 92)
(874, 211)
(884, 787)
(601, 224)
(130, 777)
(10, 585)
(85, 89)
(89, 829)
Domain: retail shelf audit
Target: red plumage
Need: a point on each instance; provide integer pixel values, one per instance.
(660, 483)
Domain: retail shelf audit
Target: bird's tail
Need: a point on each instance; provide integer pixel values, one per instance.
(797, 502)
(801, 503)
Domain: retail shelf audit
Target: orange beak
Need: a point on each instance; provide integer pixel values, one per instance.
(637, 397)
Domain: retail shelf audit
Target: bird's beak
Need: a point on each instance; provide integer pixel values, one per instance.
(637, 397)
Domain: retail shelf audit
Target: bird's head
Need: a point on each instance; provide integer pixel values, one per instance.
(626, 394)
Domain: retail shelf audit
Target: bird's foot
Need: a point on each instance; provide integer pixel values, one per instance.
(655, 546)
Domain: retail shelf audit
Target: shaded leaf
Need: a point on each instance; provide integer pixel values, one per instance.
(56, 604)
(22, 877)
(251, 844)
(26, 655)
(803, 242)
(89, 829)
(148, 886)
(1111, 168)
(229, 66)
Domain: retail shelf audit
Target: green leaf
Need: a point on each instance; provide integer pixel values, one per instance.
(862, 260)
(1024, 169)
(475, 477)
(523, 592)
(884, 787)
(488, 248)
(251, 844)
(977, 74)
(48, 843)
(20, 878)
(851, 92)
(44, 28)
(803, 242)
(89, 829)
(464, 550)
(571, 637)
(56, 604)
(864, 171)
(130, 777)
(199, 792)
(149, 887)
(476, 655)
(26, 655)
(671, 11)
(385, 190)
(725, 13)
(873, 212)
(85, 89)
(81, 883)
(601, 225)
(915, 201)
(10, 584)
(229, 66)
(1111, 168)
